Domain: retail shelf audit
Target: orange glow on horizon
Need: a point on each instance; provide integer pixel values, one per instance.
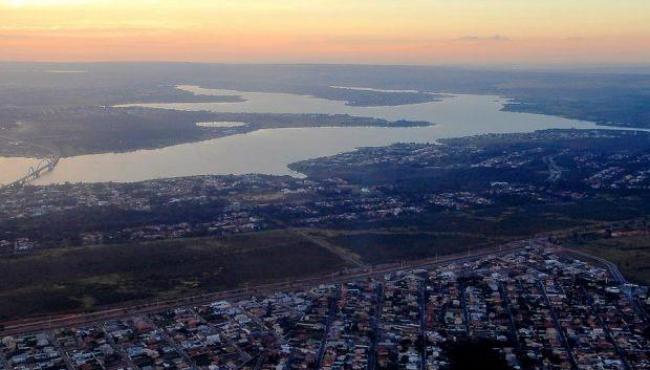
(333, 31)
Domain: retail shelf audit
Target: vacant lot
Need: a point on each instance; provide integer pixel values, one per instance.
(631, 254)
(84, 278)
(375, 247)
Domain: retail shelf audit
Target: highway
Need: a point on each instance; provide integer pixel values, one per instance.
(110, 313)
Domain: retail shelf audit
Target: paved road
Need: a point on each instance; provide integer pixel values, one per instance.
(343, 253)
(616, 274)
(613, 269)
(80, 319)
(555, 171)
(110, 313)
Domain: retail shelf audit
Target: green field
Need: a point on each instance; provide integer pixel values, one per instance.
(382, 247)
(84, 278)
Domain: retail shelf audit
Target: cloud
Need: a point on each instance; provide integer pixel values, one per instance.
(473, 38)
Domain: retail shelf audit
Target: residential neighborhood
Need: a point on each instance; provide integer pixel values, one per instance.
(535, 308)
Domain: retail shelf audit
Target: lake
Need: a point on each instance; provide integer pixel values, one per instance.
(270, 151)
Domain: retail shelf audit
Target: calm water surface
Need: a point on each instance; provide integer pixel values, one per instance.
(269, 151)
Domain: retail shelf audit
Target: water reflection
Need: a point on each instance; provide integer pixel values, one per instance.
(269, 151)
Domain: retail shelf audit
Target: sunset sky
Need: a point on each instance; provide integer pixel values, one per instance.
(328, 31)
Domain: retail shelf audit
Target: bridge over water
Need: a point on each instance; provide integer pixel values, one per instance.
(44, 166)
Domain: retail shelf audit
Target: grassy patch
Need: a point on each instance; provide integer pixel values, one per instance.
(84, 278)
(389, 247)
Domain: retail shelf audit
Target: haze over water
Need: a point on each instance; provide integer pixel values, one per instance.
(270, 151)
